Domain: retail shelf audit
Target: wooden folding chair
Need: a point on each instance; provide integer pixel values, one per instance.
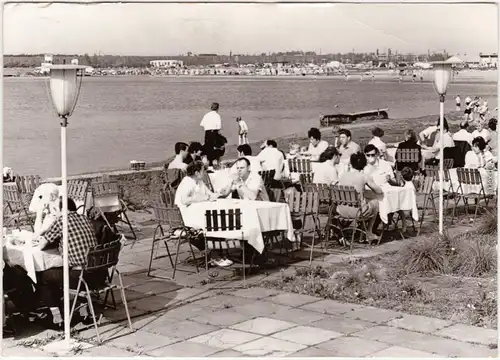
(207, 181)
(173, 178)
(407, 156)
(429, 195)
(324, 191)
(107, 189)
(470, 177)
(347, 196)
(224, 220)
(276, 195)
(306, 179)
(300, 166)
(27, 185)
(77, 190)
(433, 171)
(99, 258)
(171, 228)
(268, 178)
(17, 206)
(303, 205)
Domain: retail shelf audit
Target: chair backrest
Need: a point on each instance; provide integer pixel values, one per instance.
(104, 188)
(206, 180)
(299, 165)
(346, 196)
(12, 196)
(223, 220)
(174, 177)
(448, 163)
(102, 256)
(301, 203)
(469, 176)
(433, 171)
(462, 148)
(168, 196)
(77, 189)
(324, 191)
(306, 178)
(27, 184)
(276, 195)
(267, 176)
(425, 187)
(407, 155)
(166, 214)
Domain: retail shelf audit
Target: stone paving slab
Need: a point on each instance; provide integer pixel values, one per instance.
(263, 326)
(255, 293)
(259, 308)
(222, 318)
(341, 324)
(467, 333)
(352, 346)
(184, 349)
(398, 351)
(311, 352)
(374, 315)
(183, 329)
(331, 307)
(306, 335)
(225, 338)
(419, 323)
(141, 341)
(292, 300)
(227, 353)
(389, 335)
(298, 316)
(268, 346)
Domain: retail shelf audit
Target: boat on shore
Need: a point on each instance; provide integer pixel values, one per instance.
(338, 119)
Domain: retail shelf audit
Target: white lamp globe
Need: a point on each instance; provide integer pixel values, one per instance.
(65, 83)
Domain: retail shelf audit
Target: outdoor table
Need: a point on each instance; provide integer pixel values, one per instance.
(30, 257)
(489, 178)
(257, 217)
(394, 199)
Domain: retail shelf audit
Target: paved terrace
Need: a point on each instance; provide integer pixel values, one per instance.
(191, 318)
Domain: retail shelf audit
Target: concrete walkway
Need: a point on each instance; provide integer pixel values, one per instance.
(189, 318)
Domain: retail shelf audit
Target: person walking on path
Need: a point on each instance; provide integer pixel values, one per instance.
(457, 102)
(243, 131)
(211, 123)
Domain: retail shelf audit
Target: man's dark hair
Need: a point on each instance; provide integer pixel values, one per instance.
(464, 125)
(345, 132)
(328, 154)
(445, 123)
(71, 205)
(314, 133)
(244, 159)
(492, 124)
(195, 147)
(479, 142)
(245, 149)
(407, 174)
(358, 161)
(272, 143)
(180, 146)
(371, 147)
(214, 106)
(378, 132)
(194, 167)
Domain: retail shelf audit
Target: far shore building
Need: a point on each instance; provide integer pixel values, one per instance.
(488, 60)
(166, 63)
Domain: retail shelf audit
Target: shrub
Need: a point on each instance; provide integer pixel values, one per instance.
(488, 223)
(474, 255)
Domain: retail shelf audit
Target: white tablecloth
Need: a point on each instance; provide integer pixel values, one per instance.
(489, 178)
(257, 217)
(396, 198)
(31, 258)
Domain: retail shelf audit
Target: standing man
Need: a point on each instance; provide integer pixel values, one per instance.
(242, 132)
(212, 123)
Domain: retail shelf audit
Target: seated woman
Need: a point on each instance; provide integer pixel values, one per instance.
(356, 178)
(479, 157)
(326, 172)
(410, 142)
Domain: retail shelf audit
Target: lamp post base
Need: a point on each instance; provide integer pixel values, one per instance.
(66, 348)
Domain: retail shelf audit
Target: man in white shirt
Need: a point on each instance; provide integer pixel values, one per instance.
(271, 158)
(377, 141)
(192, 189)
(316, 145)
(380, 170)
(211, 123)
(481, 131)
(248, 184)
(463, 134)
(426, 134)
(181, 152)
(326, 172)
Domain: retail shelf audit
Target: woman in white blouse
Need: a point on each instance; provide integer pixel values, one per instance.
(479, 157)
(326, 172)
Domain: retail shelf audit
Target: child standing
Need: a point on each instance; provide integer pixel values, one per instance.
(243, 131)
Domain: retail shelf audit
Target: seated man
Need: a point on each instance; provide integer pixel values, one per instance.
(81, 237)
(181, 152)
(325, 172)
(248, 185)
(380, 170)
(195, 151)
(316, 145)
(192, 189)
(463, 134)
(346, 146)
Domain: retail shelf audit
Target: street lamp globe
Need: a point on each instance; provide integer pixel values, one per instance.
(65, 83)
(442, 76)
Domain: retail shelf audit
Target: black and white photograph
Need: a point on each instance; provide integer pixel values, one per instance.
(249, 179)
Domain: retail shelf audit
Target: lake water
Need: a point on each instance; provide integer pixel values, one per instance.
(118, 119)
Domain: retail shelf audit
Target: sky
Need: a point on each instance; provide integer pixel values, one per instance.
(173, 29)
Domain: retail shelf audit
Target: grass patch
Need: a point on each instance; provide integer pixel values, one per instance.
(437, 276)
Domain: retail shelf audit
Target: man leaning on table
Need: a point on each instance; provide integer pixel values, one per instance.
(248, 185)
(81, 237)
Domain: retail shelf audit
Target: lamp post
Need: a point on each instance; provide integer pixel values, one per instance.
(442, 76)
(65, 83)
